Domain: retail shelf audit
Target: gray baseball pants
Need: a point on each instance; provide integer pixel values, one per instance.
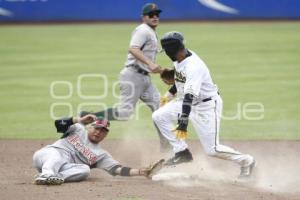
(52, 161)
(135, 86)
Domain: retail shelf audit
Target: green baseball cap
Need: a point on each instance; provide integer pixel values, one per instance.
(150, 7)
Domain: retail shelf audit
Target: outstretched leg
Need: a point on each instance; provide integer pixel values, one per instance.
(131, 88)
(206, 121)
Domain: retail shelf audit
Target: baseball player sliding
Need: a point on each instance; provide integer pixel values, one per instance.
(198, 100)
(71, 158)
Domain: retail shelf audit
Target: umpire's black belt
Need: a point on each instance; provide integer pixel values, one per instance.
(138, 69)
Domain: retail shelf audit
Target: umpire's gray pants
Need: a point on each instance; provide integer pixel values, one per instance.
(135, 86)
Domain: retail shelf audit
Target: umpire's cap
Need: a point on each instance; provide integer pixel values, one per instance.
(101, 123)
(149, 8)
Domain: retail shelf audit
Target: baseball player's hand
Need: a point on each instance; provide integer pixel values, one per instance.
(155, 68)
(181, 135)
(163, 100)
(181, 129)
(152, 169)
(166, 98)
(87, 119)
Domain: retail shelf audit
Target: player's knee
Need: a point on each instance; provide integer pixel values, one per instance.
(36, 159)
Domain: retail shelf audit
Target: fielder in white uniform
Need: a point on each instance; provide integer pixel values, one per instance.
(71, 158)
(197, 99)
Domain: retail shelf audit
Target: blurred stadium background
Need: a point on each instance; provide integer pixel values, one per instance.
(252, 56)
(125, 10)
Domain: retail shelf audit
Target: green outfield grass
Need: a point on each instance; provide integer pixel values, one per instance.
(250, 62)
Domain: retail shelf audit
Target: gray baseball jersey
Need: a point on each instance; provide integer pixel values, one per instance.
(144, 38)
(83, 151)
(134, 85)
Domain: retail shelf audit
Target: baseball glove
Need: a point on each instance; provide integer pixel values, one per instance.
(167, 75)
(154, 168)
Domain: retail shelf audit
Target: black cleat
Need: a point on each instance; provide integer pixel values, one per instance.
(180, 157)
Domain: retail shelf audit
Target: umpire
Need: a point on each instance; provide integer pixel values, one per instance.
(135, 81)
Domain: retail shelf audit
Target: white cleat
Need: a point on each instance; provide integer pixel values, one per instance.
(246, 171)
(48, 180)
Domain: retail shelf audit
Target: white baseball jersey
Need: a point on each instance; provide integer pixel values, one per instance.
(144, 38)
(192, 76)
(82, 150)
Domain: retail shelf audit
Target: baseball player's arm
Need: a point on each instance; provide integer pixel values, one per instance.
(194, 79)
(126, 171)
(183, 120)
(63, 124)
(114, 168)
(138, 54)
(138, 40)
(191, 89)
(187, 105)
(146, 171)
(168, 96)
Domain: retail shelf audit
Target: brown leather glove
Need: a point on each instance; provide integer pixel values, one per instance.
(167, 75)
(152, 169)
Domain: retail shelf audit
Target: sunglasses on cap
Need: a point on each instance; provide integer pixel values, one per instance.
(152, 14)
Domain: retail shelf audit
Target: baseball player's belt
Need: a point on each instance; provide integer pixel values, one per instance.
(209, 98)
(138, 69)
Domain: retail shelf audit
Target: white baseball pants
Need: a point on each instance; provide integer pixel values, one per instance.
(205, 117)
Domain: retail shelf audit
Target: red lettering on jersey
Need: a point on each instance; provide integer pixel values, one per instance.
(85, 151)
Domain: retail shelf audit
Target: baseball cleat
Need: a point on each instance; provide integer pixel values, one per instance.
(48, 180)
(180, 157)
(246, 171)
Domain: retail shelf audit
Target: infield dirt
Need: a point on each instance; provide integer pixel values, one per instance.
(277, 175)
